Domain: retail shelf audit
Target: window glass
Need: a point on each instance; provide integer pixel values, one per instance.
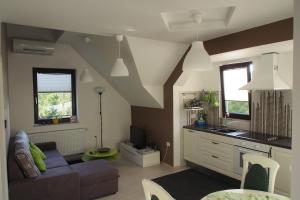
(54, 94)
(235, 102)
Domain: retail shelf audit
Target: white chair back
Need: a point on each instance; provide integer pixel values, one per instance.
(152, 188)
(265, 162)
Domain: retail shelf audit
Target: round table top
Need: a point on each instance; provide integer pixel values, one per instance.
(97, 154)
(242, 194)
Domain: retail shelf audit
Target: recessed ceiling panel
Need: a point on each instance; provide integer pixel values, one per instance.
(197, 19)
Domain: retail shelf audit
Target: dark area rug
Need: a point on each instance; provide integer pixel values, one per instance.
(194, 184)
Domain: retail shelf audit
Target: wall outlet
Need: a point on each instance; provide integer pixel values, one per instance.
(168, 144)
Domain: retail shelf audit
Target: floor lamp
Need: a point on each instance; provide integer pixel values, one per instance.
(102, 149)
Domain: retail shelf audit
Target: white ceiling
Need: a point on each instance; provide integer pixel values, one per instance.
(115, 16)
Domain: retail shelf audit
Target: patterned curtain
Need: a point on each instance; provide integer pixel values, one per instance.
(271, 112)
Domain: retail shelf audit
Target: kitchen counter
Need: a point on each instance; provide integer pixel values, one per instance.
(268, 139)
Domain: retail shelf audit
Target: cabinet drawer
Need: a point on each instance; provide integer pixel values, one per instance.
(217, 162)
(217, 148)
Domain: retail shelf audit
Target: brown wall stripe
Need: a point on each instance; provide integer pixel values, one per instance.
(261, 35)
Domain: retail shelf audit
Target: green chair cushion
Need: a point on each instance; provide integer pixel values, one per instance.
(257, 178)
(38, 160)
(32, 145)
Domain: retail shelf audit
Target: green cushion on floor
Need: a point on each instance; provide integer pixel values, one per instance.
(257, 178)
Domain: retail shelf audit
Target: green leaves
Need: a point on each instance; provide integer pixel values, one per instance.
(54, 105)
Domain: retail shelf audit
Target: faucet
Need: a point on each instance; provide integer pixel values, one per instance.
(225, 120)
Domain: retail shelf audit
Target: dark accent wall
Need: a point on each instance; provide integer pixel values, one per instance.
(158, 123)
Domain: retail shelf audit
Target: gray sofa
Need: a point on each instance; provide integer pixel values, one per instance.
(82, 181)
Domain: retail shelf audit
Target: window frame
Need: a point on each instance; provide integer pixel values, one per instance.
(235, 66)
(72, 72)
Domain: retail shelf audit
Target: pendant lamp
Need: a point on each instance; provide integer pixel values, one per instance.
(197, 58)
(119, 69)
(85, 76)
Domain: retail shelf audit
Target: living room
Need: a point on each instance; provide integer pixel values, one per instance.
(111, 103)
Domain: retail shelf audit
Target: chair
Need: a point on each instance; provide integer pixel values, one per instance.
(153, 189)
(266, 163)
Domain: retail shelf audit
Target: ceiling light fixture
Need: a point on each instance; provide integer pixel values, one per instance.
(197, 59)
(119, 69)
(85, 76)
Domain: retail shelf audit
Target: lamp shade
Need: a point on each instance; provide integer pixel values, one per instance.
(86, 77)
(197, 58)
(119, 68)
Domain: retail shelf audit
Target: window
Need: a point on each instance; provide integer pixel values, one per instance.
(54, 95)
(235, 102)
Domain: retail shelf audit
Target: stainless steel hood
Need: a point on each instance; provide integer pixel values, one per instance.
(265, 75)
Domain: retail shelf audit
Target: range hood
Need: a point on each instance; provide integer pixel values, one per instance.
(265, 75)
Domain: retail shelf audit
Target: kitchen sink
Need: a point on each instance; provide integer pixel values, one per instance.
(226, 131)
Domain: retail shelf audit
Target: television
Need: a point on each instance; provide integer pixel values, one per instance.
(138, 137)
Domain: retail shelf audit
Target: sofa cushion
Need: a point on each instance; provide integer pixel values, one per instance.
(14, 171)
(54, 162)
(38, 159)
(96, 171)
(25, 160)
(54, 159)
(52, 154)
(37, 149)
(22, 136)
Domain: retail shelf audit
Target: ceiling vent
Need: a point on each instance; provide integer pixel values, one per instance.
(33, 47)
(198, 19)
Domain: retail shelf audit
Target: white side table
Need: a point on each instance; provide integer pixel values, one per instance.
(144, 158)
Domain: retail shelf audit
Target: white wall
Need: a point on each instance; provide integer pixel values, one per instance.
(3, 164)
(296, 106)
(116, 110)
(187, 82)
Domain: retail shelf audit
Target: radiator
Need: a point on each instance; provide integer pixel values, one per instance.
(68, 141)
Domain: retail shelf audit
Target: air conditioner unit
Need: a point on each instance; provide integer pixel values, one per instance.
(33, 47)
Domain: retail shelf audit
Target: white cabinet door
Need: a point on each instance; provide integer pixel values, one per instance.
(283, 179)
(191, 146)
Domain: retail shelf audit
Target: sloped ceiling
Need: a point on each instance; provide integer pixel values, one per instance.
(101, 53)
(155, 61)
(149, 63)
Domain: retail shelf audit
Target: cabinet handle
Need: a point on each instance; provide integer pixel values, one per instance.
(215, 156)
(214, 142)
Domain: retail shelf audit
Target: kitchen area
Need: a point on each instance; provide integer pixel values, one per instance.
(242, 106)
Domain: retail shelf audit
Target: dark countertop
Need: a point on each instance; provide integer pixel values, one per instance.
(268, 139)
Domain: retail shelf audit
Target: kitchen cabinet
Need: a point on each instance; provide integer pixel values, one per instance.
(283, 178)
(218, 153)
(208, 151)
(191, 146)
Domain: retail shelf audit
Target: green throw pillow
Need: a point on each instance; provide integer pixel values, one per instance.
(39, 162)
(257, 178)
(32, 145)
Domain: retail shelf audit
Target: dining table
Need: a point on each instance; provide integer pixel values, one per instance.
(243, 194)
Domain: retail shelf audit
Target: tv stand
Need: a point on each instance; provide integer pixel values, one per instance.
(143, 157)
